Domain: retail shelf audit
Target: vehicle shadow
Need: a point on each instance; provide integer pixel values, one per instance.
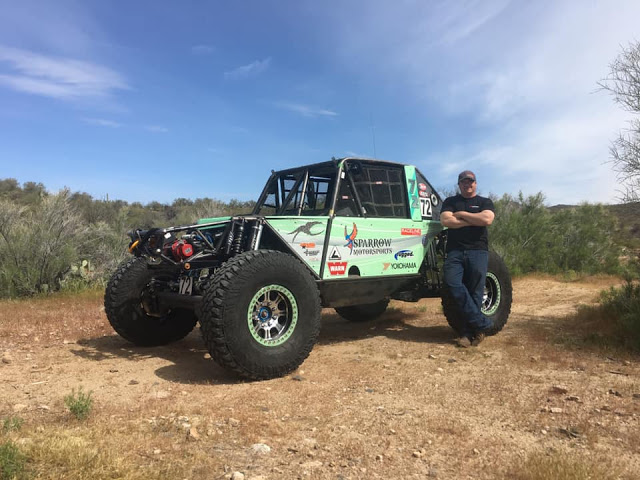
(393, 325)
(191, 364)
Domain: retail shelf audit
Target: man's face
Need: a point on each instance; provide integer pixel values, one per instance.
(467, 187)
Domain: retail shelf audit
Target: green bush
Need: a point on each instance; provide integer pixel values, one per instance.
(79, 403)
(11, 423)
(622, 305)
(532, 238)
(37, 244)
(12, 461)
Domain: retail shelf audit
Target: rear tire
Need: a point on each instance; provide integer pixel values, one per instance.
(497, 298)
(261, 314)
(123, 304)
(363, 313)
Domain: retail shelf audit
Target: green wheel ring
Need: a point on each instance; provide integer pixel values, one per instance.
(497, 295)
(255, 325)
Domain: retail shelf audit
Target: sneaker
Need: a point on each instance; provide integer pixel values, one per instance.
(478, 338)
(463, 342)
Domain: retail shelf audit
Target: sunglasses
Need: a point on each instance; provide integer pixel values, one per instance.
(470, 180)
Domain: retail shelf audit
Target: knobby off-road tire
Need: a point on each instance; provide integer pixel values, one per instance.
(363, 313)
(496, 304)
(127, 316)
(260, 315)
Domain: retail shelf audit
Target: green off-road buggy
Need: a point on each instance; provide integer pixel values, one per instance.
(349, 234)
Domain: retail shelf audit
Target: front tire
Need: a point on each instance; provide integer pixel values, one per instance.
(496, 304)
(123, 304)
(261, 314)
(363, 313)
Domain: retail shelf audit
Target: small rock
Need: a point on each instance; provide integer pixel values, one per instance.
(369, 390)
(558, 389)
(44, 407)
(157, 451)
(193, 434)
(452, 360)
(6, 358)
(615, 393)
(572, 398)
(260, 448)
(433, 472)
(399, 355)
(417, 454)
(379, 458)
(134, 382)
(636, 395)
(237, 476)
(160, 394)
(297, 378)
(543, 431)
(432, 357)
(476, 451)
(257, 477)
(233, 422)
(556, 410)
(439, 369)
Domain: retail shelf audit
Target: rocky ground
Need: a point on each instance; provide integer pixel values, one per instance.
(390, 399)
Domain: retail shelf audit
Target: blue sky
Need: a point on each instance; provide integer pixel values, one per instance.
(151, 101)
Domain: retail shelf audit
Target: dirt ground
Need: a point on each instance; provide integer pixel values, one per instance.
(394, 398)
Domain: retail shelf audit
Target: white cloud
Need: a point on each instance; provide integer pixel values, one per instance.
(202, 49)
(245, 71)
(101, 122)
(61, 78)
(156, 128)
(305, 110)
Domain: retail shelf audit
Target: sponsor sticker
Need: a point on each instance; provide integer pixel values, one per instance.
(335, 254)
(422, 187)
(337, 268)
(423, 194)
(403, 254)
(308, 245)
(411, 231)
(400, 266)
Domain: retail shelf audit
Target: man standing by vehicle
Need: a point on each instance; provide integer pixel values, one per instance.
(467, 215)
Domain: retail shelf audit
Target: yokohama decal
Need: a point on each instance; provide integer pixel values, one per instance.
(337, 268)
(411, 231)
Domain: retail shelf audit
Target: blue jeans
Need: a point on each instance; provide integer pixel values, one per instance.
(465, 273)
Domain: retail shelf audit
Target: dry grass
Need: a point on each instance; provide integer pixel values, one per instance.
(392, 399)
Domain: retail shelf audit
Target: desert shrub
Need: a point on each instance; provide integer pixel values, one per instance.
(12, 461)
(79, 403)
(532, 238)
(622, 305)
(10, 424)
(38, 244)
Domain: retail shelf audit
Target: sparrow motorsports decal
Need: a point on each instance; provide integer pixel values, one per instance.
(366, 246)
(337, 268)
(306, 228)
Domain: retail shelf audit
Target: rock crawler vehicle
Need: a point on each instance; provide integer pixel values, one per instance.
(349, 233)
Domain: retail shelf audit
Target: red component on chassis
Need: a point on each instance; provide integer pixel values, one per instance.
(181, 250)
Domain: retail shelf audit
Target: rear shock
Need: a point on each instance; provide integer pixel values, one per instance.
(237, 241)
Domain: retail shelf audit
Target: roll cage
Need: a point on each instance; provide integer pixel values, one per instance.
(328, 188)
